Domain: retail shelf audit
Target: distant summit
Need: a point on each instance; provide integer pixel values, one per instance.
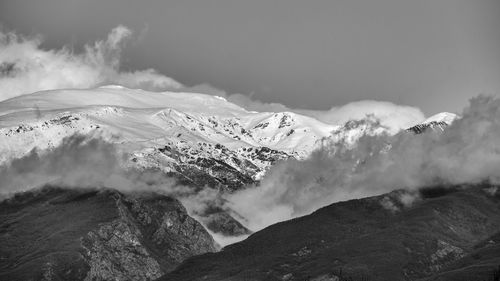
(438, 121)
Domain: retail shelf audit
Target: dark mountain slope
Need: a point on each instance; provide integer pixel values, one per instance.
(375, 238)
(483, 263)
(62, 234)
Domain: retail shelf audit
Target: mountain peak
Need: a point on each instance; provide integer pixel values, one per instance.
(437, 121)
(446, 117)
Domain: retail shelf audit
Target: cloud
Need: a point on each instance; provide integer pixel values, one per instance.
(467, 152)
(394, 117)
(79, 161)
(25, 67)
(82, 161)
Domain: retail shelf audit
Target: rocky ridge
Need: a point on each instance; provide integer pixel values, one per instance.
(70, 234)
(436, 122)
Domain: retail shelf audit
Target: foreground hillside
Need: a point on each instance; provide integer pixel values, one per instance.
(439, 234)
(447, 234)
(477, 265)
(63, 234)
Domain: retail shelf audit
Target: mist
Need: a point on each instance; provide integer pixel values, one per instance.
(90, 161)
(79, 161)
(466, 152)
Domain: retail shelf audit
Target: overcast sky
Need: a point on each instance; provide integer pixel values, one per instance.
(434, 54)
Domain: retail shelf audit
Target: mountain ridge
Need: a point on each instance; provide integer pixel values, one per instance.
(56, 233)
(363, 239)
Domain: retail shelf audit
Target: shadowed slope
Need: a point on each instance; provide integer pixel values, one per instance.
(365, 239)
(483, 263)
(61, 234)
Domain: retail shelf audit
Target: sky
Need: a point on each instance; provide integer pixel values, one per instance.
(432, 54)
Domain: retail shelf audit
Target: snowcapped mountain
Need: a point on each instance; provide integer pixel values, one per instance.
(446, 117)
(436, 122)
(203, 139)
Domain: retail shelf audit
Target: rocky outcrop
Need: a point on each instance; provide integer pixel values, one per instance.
(221, 222)
(114, 252)
(434, 125)
(61, 234)
(483, 263)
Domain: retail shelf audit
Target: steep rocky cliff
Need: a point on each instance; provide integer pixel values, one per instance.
(63, 234)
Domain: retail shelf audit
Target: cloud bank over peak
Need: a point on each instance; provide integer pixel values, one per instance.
(392, 116)
(25, 67)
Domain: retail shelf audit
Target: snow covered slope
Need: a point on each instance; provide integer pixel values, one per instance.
(204, 139)
(446, 117)
(436, 122)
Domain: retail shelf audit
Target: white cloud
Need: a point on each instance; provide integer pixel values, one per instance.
(25, 67)
(392, 116)
(467, 152)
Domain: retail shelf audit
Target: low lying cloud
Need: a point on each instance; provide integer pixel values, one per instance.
(79, 161)
(25, 67)
(467, 152)
(82, 161)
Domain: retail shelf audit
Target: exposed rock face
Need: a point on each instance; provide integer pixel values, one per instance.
(437, 122)
(222, 222)
(114, 251)
(443, 230)
(58, 234)
(434, 125)
(483, 263)
(445, 252)
(205, 164)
